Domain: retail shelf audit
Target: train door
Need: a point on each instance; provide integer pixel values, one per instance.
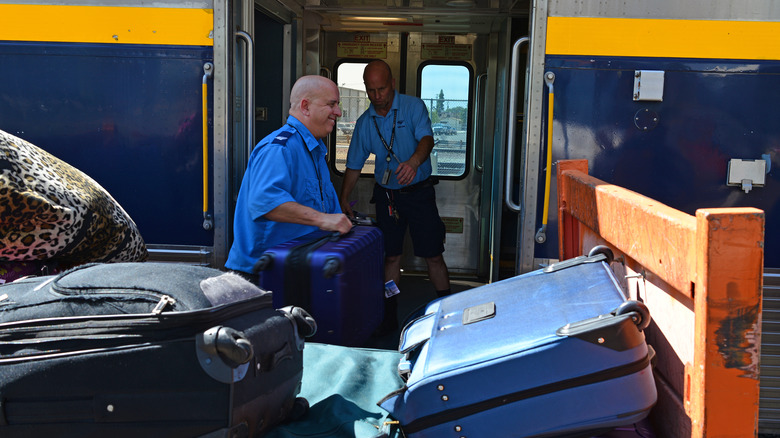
(447, 72)
(254, 65)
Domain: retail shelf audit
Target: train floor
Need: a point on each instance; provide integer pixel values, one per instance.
(416, 292)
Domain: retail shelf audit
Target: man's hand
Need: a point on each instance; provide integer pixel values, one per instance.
(336, 222)
(406, 171)
(351, 177)
(295, 213)
(346, 207)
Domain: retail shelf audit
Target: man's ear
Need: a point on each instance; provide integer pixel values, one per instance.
(305, 107)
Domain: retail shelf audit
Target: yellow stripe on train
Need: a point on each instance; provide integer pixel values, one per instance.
(107, 24)
(594, 36)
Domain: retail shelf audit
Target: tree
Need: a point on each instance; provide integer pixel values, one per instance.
(440, 102)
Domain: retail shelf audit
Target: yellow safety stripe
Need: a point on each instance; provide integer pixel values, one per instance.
(107, 24)
(592, 36)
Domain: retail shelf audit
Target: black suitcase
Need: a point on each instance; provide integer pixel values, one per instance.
(147, 350)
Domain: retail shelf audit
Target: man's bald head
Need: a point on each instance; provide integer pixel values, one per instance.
(314, 101)
(309, 87)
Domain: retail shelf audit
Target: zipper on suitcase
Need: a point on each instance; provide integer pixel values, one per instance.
(165, 301)
(141, 325)
(464, 411)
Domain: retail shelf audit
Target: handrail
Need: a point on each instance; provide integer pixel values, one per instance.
(208, 73)
(479, 164)
(541, 234)
(510, 143)
(250, 90)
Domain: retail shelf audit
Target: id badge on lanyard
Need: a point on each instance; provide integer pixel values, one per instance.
(389, 148)
(386, 176)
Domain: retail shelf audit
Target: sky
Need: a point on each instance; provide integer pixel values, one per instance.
(453, 79)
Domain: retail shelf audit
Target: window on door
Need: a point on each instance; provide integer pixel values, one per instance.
(445, 90)
(354, 101)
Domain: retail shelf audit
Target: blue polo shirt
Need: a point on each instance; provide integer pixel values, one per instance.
(286, 166)
(412, 123)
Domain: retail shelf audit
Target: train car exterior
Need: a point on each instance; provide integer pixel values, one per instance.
(161, 103)
(116, 91)
(672, 100)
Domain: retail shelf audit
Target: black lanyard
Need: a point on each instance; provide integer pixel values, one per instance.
(392, 138)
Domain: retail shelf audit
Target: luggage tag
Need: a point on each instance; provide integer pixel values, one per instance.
(391, 289)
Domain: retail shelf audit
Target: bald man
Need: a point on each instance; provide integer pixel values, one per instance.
(286, 191)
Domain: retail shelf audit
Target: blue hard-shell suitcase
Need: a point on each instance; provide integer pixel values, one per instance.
(338, 279)
(555, 352)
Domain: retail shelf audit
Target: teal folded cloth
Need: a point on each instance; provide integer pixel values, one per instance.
(343, 385)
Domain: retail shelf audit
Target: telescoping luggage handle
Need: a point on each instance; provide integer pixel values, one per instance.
(597, 254)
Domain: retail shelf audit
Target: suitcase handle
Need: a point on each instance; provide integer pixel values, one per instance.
(417, 333)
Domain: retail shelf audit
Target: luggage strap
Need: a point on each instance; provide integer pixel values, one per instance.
(297, 273)
(588, 379)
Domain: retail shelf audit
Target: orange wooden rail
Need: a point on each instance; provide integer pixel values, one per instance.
(701, 278)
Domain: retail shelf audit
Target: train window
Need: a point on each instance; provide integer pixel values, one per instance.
(445, 90)
(349, 77)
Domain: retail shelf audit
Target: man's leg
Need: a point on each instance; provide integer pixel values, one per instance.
(393, 231)
(439, 275)
(392, 272)
(393, 269)
(428, 234)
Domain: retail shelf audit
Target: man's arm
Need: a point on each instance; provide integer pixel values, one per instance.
(293, 212)
(350, 179)
(408, 169)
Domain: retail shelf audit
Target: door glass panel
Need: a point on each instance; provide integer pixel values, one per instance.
(445, 91)
(354, 101)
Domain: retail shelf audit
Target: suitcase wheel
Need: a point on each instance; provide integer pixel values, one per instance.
(331, 267)
(304, 322)
(641, 313)
(602, 249)
(264, 262)
(234, 348)
(299, 409)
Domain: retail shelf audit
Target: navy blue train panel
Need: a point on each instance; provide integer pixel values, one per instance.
(675, 151)
(129, 116)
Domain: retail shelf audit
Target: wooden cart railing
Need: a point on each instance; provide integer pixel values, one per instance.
(700, 276)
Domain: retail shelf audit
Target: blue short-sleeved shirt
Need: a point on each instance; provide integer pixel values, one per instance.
(412, 123)
(286, 166)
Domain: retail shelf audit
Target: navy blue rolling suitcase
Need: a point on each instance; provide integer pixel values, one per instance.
(555, 352)
(338, 279)
(147, 350)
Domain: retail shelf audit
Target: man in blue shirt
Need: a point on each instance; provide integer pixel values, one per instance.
(286, 191)
(397, 129)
